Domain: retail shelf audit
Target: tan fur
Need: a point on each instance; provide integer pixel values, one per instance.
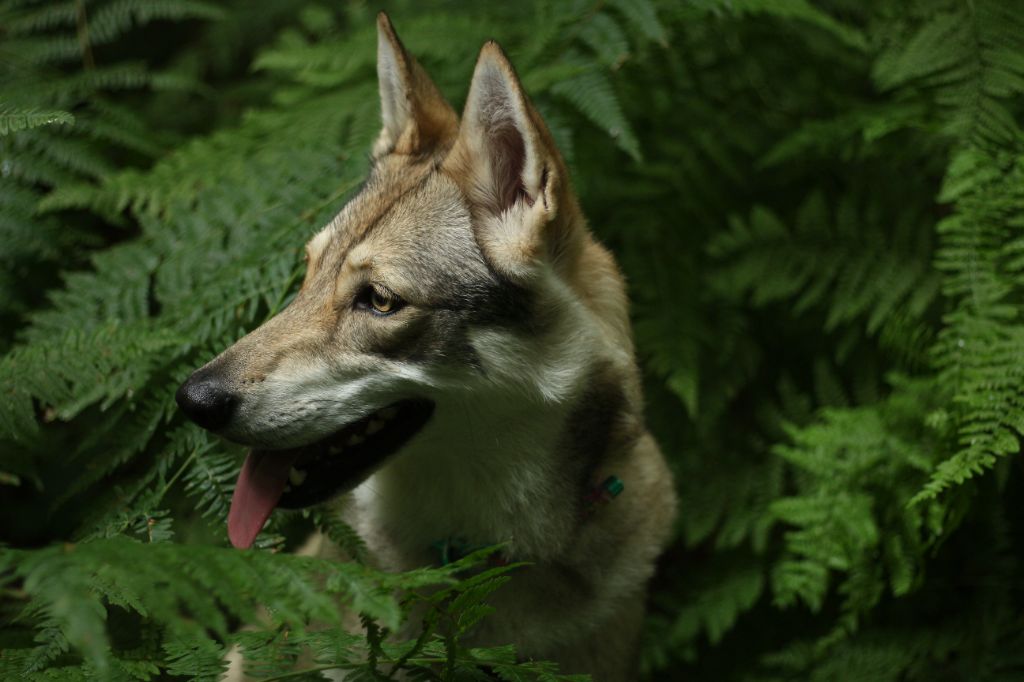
(432, 119)
(499, 460)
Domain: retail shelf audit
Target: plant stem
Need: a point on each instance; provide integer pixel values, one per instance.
(82, 25)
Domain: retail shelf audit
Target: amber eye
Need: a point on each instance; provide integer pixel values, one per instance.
(380, 301)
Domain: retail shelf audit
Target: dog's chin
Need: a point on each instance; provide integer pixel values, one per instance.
(343, 460)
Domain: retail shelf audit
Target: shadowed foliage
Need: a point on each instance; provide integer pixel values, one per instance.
(819, 208)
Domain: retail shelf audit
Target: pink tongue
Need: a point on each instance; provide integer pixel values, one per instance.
(263, 478)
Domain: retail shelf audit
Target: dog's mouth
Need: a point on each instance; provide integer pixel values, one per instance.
(306, 475)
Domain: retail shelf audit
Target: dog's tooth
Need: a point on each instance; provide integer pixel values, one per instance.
(389, 412)
(297, 476)
(374, 425)
(355, 439)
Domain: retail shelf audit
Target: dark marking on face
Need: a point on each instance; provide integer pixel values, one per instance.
(442, 334)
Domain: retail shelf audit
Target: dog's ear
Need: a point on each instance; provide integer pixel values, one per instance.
(415, 116)
(507, 162)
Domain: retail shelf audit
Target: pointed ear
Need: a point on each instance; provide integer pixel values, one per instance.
(506, 160)
(508, 148)
(415, 116)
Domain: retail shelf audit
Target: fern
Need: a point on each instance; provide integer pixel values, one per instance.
(873, 270)
(75, 586)
(967, 58)
(817, 208)
(210, 475)
(591, 93)
(39, 92)
(705, 611)
(14, 119)
(114, 19)
(978, 351)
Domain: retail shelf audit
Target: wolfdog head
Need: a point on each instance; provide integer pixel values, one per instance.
(458, 290)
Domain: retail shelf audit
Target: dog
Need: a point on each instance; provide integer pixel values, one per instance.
(459, 364)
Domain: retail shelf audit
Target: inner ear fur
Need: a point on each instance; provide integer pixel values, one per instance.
(415, 117)
(507, 163)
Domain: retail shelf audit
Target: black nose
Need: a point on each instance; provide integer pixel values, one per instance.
(205, 399)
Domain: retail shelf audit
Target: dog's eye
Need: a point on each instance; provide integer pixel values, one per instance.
(381, 303)
(380, 300)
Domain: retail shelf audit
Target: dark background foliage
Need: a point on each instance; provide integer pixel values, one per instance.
(818, 207)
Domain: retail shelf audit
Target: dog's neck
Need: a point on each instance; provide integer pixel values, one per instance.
(518, 476)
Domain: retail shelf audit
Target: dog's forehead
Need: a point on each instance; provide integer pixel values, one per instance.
(411, 222)
(394, 191)
(430, 212)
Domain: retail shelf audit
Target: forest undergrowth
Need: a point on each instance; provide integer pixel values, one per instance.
(820, 211)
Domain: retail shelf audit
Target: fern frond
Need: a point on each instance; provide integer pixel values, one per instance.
(838, 524)
(605, 37)
(706, 610)
(591, 93)
(330, 523)
(115, 18)
(800, 10)
(72, 584)
(198, 658)
(644, 16)
(211, 474)
(74, 372)
(13, 119)
(862, 270)
(979, 349)
(968, 57)
(31, 20)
